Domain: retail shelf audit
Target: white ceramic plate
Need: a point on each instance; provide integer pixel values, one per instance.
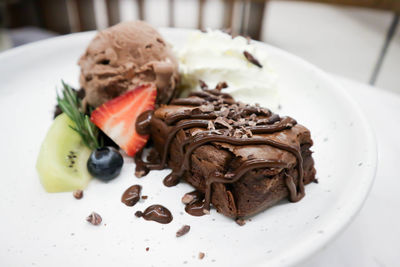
(44, 229)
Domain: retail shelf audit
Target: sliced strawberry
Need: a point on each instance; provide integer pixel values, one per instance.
(117, 117)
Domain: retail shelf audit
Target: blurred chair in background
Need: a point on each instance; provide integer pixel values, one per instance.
(32, 20)
(65, 16)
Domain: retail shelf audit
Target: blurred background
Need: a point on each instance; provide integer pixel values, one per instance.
(358, 39)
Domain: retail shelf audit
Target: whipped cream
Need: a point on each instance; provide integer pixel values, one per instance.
(215, 56)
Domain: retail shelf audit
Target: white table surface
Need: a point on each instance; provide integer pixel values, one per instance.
(372, 239)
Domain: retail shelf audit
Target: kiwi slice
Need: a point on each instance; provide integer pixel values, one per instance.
(62, 158)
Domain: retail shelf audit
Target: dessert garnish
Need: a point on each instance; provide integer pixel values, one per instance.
(117, 117)
(71, 105)
(78, 194)
(201, 255)
(105, 163)
(156, 213)
(252, 59)
(62, 159)
(131, 195)
(183, 231)
(192, 197)
(242, 157)
(94, 218)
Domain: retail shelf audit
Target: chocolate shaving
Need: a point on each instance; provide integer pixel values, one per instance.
(201, 255)
(252, 59)
(240, 222)
(138, 214)
(222, 121)
(78, 194)
(183, 231)
(207, 108)
(210, 126)
(187, 199)
(221, 85)
(252, 123)
(238, 133)
(203, 85)
(248, 132)
(94, 218)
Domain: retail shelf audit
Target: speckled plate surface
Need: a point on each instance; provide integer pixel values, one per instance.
(44, 229)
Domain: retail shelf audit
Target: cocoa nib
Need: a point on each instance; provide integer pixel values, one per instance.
(94, 218)
(203, 85)
(240, 222)
(138, 214)
(183, 231)
(78, 194)
(221, 85)
(252, 59)
(201, 255)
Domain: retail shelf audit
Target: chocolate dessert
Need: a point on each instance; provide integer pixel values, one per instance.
(241, 158)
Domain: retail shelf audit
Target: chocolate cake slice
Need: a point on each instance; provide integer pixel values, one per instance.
(240, 158)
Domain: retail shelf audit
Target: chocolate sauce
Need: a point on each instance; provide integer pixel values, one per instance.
(191, 197)
(143, 122)
(131, 195)
(156, 213)
(269, 125)
(196, 208)
(141, 166)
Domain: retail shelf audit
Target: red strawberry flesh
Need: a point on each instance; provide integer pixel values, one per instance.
(117, 117)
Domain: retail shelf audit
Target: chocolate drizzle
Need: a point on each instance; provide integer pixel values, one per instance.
(156, 213)
(237, 124)
(131, 195)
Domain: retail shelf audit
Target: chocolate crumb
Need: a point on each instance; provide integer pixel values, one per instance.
(221, 85)
(144, 197)
(211, 125)
(147, 249)
(140, 173)
(94, 218)
(223, 122)
(187, 198)
(138, 214)
(252, 59)
(183, 231)
(78, 194)
(201, 255)
(203, 85)
(240, 222)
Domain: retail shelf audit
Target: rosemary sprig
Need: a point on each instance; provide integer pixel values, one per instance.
(71, 105)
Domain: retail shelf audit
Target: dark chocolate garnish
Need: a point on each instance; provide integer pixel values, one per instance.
(196, 208)
(252, 59)
(94, 218)
(156, 213)
(183, 231)
(131, 195)
(191, 197)
(78, 194)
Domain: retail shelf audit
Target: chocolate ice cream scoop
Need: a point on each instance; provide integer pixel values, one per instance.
(124, 56)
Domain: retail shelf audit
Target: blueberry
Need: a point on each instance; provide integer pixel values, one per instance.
(105, 163)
